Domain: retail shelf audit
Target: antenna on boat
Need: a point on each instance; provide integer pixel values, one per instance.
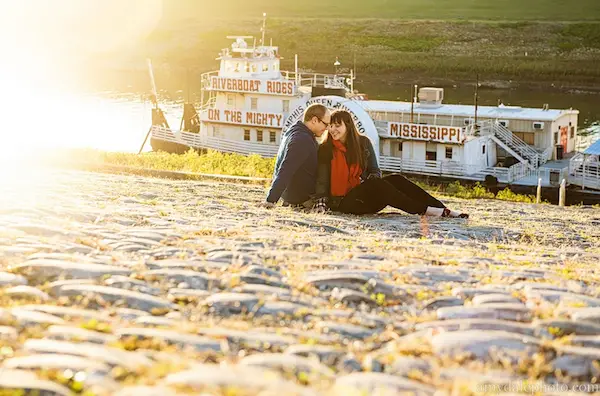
(476, 100)
(353, 74)
(153, 83)
(296, 68)
(263, 29)
(413, 99)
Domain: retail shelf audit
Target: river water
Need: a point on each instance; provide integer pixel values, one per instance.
(117, 118)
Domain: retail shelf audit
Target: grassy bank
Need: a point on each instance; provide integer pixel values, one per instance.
(212, 162)
(552, 52)
(547, 10)
(217, 163)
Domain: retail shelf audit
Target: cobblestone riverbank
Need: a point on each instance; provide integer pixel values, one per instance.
(125, 285)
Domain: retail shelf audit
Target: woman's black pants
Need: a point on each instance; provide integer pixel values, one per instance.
(397, 191)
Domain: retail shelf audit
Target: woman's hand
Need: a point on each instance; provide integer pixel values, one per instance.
(320, 206)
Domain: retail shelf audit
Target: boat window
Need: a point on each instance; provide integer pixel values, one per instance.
(286, 106)
(448, 152)
(259, 135)
(230, 100)
(237, 67)
(253, 103)
(431, 156)
(483, 149)
(265, 67)
(400, 146)
(272, 136)
(246, 134)
(527, 137)
(254, 68)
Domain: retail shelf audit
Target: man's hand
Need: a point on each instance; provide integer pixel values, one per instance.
(266, 205)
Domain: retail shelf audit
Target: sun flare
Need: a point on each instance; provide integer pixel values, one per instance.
(46, 43)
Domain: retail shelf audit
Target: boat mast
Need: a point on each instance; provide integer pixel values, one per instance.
(153, 83)
(263, 29)
(353, 71)
(476, 102)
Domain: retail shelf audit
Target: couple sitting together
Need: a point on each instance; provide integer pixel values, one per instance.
(341, 173)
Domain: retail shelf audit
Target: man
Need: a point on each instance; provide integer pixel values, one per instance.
(295, 174)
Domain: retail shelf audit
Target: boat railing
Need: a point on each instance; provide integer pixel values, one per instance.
(302, 79)
(210, 104)
(518, 171)
(547, 154)
(319, 80)
(575, 163)
(440, 168)
(502, 133)
(587, 177)
(201, 140)
(502, 174)
(584, 171)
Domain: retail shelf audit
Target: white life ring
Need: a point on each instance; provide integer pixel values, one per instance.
(363, 121)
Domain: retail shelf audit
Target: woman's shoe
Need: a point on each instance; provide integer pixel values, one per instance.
(444, 212)
(454, 213)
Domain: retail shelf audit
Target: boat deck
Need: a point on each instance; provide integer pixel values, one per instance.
(560, 168)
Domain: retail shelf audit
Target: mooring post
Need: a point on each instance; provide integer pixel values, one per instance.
(538, 198)
(562, 193)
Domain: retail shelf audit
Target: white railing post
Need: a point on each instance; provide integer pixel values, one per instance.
(562, 193)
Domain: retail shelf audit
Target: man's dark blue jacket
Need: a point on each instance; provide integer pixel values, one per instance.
(295, 173)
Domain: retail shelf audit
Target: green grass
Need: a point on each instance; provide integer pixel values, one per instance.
(476, 191)
(217, 163)
(584, 34)
(212, 162)
(407, 43)
(515, 50)
(547, 10)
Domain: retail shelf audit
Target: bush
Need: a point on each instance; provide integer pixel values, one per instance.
(211, 162)
(508, 195)
(477, 191)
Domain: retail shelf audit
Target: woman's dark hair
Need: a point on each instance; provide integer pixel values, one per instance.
(354, 146)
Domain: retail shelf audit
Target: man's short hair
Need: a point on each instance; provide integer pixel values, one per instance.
(314, 110)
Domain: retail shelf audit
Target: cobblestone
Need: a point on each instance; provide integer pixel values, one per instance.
(119, 284)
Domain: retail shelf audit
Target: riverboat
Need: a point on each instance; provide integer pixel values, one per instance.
(249, 101)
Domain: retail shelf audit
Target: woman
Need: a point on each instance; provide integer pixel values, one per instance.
(349, 179)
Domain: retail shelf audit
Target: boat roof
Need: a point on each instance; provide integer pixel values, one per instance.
(500, 112)
(594, 149)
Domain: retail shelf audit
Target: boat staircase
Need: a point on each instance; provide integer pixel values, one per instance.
(515, 146)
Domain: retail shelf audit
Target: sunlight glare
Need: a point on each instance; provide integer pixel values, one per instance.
(45, 43)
